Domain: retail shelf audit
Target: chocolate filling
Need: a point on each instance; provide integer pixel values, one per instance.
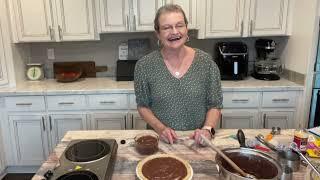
(167, 168)
(254, 165)
(147, 145)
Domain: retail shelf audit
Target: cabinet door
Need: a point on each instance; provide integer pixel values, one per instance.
(268, 17)
(29, 138)
(108, 121)
(32, 20)
(144, 13)
(114, 15)
(239, 119)
(136, 121)
(75, 20)
(224, 18)
(3, 68)
(190, 9)
(284, 120)
(59, 124)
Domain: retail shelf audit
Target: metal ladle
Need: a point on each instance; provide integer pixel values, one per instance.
(226, 158)
(295, 148)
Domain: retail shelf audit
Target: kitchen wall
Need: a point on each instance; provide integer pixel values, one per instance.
(105, 51)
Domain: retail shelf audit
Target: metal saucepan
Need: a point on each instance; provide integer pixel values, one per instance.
(247, 160)
(285, 158)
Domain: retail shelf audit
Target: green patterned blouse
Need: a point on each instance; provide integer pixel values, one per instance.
(182, 103)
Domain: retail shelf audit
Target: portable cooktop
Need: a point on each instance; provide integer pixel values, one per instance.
(91, 159)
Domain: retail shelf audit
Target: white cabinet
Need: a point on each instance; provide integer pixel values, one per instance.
(60, 123)
(268, 17)
(52, 20)
(3, 65)
(243, 119)
(190, 9)
(284, 119)
(224, 18)
(135, 121)
(29, 138)
(127, 15)
(242, 18)
(108, 120)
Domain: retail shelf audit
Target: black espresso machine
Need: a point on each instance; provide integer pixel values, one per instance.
(232, 60)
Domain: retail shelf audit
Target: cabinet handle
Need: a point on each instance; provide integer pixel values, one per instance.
(241, 30)
(23, 104)
(251, 27)
(50, 123)
(60, 32)
(127, 23)
(50, 32)
(240, 100)
(43, 125)
(125, 122)
(221, 121)
(66, 103)
(133, 126)
(280, 100)
(107, 102)
(264, 120)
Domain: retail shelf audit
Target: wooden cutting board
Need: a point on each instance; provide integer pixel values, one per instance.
(88, 67)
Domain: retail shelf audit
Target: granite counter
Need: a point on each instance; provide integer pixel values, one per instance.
(109, 85)
(200, 158)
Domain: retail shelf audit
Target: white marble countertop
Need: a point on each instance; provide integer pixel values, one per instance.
(127, 157)
(109, 85)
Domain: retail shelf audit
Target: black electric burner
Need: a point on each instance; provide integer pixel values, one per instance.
(91, 159)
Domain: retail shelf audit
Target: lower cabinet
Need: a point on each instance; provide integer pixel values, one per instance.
(282, 119)
(59, 124)
(239, 119)
(136, 121)
(108, 120)
(29, 138)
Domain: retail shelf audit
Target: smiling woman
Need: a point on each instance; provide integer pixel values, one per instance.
(177, 87)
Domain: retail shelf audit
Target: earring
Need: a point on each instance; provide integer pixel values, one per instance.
(188, 38)
(159, 43)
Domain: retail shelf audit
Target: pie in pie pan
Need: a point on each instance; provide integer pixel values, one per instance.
(164, 167)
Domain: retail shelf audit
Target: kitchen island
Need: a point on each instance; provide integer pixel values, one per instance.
(202, 159)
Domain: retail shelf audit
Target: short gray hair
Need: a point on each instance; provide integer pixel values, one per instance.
(165, 9)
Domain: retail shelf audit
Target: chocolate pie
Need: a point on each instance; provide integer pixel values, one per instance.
(164, 167)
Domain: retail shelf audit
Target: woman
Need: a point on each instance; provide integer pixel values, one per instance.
(177, 87)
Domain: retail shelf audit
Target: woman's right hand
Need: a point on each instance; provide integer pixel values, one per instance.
(168, 135)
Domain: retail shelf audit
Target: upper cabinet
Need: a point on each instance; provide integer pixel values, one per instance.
(242, 18)
(127, 15)
(52, 20)
(190, 9)
(268, 17)
(3, 66)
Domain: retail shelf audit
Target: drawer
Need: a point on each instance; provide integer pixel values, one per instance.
(132, 101)
(68, 102)
(240, 99)
(25, 103)
(279, 99)
(108, 101)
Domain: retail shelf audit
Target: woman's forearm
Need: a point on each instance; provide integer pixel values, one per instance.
(151, 119)
(212, 117)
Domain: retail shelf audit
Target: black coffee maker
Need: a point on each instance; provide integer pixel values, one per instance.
(267, 66)
(232, 60)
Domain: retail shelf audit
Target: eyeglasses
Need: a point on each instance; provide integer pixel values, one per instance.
(170, 28)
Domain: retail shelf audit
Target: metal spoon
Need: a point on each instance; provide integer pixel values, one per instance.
(295, 148)
(226, 158)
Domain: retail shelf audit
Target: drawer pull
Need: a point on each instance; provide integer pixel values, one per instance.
(66, 103)
(240, 100)
(107, 102)
(23, 104)
(280, 100)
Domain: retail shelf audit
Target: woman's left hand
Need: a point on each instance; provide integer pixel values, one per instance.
(197, 138)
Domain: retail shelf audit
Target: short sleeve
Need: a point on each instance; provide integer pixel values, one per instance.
(141, 87)
(214, 92)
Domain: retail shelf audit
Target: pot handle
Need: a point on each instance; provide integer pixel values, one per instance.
(241, 138)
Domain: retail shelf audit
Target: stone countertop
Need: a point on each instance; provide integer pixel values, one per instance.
(200, 158)
(109, 85)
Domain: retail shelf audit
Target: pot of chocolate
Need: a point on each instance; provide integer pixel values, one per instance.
(252, 161)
